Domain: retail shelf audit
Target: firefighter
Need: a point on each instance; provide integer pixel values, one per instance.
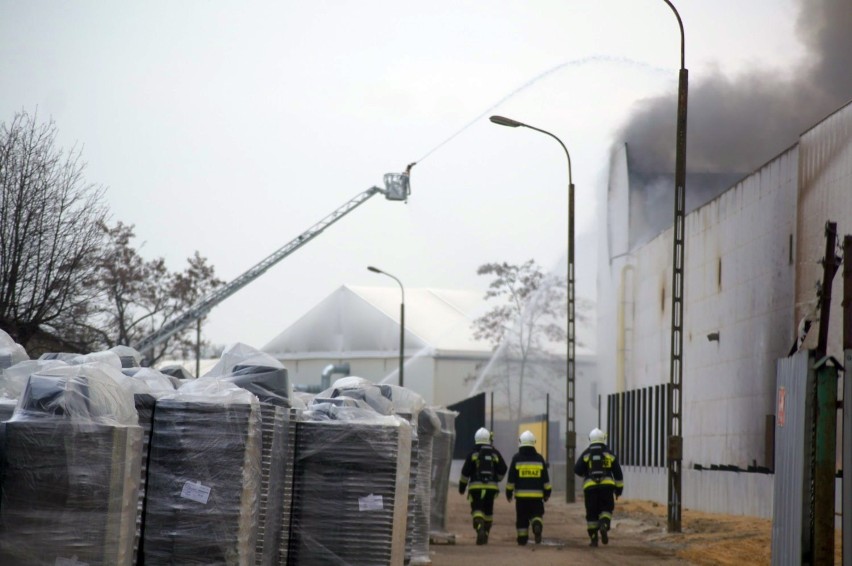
(529, 483)
(603, 482)
(483, 469)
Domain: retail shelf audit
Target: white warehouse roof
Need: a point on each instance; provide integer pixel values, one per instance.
(365, 321)
(356, 321)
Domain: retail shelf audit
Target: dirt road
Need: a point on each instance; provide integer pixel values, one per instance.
(633, 541)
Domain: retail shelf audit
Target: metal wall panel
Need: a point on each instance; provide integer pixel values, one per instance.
(825, 193)
(793, 397)
(847, 459)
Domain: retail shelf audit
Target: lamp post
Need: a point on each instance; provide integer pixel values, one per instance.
(570, 433)
(674, 431)
(401, 322)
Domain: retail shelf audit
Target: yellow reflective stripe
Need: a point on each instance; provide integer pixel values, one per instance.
(529, 494)
(479, 485)
(547, 486)
(593, 483)
(510, 486)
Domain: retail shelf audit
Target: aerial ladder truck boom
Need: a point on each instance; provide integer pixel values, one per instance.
(397, 187)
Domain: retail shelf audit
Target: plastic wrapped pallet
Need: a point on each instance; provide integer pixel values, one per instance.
(350, 492)
(129, 357)
(73, 450)
(295, 415)
(267, 378)
(442, 459)
(10, 351)
(147, 385)
(203, 477)
(426, 424)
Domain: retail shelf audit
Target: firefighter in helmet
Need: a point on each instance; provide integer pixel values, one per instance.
(603, 482)
(483, 469)
(529, 484)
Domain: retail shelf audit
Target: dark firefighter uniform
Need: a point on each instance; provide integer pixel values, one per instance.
(482, 491)
(529, 484)
(601, 482)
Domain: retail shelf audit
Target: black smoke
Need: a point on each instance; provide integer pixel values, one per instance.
(737, 124)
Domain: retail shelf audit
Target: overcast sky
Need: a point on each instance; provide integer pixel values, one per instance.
(232, 127)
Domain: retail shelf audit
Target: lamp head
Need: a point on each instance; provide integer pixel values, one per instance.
(503, 121)
(374, 269)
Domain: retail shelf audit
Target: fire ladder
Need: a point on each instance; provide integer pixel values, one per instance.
(396, 188)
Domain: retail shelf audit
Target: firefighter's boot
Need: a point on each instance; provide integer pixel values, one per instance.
(593, 535)
(604, 529)
(536, 528)
(481, 533)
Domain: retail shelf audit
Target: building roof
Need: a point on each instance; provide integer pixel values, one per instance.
(360, 321)
(365, 320)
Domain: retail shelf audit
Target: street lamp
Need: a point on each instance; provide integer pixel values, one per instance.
(570, 433)
(674, 456)
(401, 321)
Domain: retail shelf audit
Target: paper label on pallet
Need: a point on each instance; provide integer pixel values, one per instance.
(60, 561)
(370, 503)
(196, 492)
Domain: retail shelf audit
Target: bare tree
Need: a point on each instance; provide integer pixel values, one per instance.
(137, 296)
(530, 307)
(49, 236)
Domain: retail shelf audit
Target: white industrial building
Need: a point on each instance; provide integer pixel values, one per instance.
(444, 362)
(361, 326)
(752, 264)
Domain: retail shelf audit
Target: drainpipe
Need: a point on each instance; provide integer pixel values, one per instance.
(330, 370)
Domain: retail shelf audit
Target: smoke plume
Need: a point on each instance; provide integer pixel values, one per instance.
(735, 125)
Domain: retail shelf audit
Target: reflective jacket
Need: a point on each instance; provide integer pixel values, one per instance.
(528, 476)
(612, 476)
(469, 477)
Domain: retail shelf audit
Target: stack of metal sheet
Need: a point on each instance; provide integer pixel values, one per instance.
(428, 425)
(350, 489)
(71, 482)
(272, 467)
(266, 379)
(145, 409)
(203, 483)
(287, 491)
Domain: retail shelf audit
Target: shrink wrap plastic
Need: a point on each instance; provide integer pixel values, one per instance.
(10, 351)
(13, 380)
(203, 478)
(350, 489)
(426, 424)
(266, 378)
(147, 385)
(442, 459)
(72, 468)
(106, 357)
(254, 371)
(373, 395)
(129, 357)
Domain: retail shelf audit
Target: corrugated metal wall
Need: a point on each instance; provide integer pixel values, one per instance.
(793, 394)
(825, 193)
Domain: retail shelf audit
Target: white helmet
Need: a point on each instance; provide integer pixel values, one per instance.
(482, 436)
(527, 438)
(597, 435)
